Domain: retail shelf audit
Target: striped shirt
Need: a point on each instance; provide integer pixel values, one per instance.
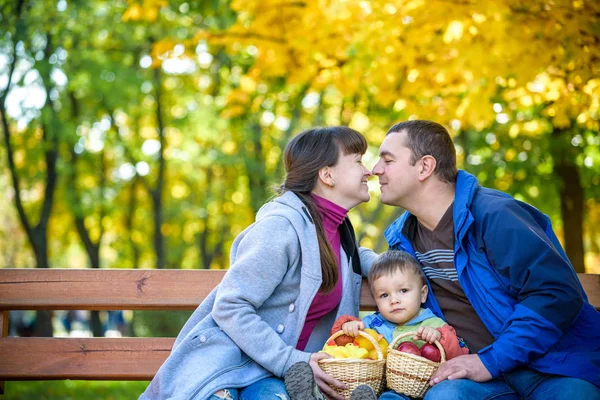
(435, 252)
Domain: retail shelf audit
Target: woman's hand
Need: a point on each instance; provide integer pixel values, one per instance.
(428, 334)
(351, 328)
(322, 379)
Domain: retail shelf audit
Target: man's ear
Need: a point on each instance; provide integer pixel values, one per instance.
(427, 167)
(326, 177)
(424, 292)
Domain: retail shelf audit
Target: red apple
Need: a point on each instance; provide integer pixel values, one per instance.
(410, 348)
(343, 340)
(431, 352)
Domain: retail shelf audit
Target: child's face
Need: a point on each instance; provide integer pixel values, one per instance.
(399, 296)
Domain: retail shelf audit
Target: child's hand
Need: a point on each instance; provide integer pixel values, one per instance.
(428, 334)
(351, 328)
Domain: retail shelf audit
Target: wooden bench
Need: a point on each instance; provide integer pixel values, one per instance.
(31, 358)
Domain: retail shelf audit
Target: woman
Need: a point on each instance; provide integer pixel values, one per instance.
(292, 274)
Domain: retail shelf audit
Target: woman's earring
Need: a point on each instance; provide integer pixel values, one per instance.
(332, 184)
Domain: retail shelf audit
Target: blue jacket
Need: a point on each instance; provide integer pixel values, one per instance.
(520, 282)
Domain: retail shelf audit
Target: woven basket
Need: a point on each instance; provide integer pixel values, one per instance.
(409, 374)
(356, 372)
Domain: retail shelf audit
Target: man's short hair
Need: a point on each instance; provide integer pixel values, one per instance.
(391, 261)
(430, 138)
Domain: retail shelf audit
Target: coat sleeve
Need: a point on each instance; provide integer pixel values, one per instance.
(337, 326)
(367, 256)
(450, 343)
(262, 259)
(546, 291)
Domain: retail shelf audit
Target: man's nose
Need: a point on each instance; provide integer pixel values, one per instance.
(377, 170)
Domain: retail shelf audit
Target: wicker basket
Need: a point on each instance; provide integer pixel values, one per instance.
(356, 372)
(409, 374)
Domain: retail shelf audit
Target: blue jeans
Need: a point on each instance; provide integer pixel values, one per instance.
(268, 388)
(520, 384)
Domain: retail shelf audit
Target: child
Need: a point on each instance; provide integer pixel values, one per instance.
(399, 288)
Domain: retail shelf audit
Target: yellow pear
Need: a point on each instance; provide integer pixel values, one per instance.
(373, 355)
(364, 342)
(383, 344)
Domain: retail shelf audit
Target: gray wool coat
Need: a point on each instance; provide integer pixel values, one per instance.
(248, 326)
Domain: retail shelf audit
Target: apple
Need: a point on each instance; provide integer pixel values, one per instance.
(431, 352)
(344, 340)
(410, 348)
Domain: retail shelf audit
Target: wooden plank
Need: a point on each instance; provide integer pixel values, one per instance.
(591, 285)
(105, 289)
(367, 302)
(3, 334)
(113, 289)
(82, 358)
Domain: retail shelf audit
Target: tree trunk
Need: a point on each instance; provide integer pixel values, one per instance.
(571, 196)
(255, 168)
(572, 210)
(129, 221)
(156, 194)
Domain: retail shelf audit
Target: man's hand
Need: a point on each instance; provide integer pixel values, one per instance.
(322, 379)
(351, 328)
(428, 334)
(462, 367)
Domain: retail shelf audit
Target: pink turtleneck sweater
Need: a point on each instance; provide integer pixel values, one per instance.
(333, 216)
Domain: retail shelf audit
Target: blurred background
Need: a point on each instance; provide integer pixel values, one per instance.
(147, 133)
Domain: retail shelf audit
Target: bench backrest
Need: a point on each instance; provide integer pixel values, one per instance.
(114, 289)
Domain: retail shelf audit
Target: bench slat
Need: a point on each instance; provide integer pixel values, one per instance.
(105, 289)
(113, 289)
(591, 285)
(3, 333)
(141, 289)
(82, 358)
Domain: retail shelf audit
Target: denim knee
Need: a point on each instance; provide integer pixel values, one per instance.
(466, 389)
(268, 388)
(446, 390)
(392, 395)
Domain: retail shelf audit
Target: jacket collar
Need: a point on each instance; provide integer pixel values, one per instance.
(424, 313)
(400, 232)
(347, 235)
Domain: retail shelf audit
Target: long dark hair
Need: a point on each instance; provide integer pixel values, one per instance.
(304, 156)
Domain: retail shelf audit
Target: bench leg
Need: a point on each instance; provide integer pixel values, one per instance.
(3, 333)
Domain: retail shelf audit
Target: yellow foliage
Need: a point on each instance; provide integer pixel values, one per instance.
(147, 11)
(133, 13)
(403, 54)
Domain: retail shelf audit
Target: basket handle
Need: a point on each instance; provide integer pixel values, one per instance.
(363, 334)
(405, 334)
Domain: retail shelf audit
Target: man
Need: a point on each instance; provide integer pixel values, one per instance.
(496, 272)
